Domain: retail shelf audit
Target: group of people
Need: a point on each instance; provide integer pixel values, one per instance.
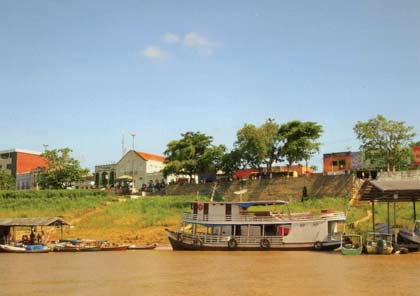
(34, 237)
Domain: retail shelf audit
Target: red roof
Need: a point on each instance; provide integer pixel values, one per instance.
(25, 162)
(149, 156)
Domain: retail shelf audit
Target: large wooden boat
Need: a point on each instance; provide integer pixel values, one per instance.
(231, 226)
(114, 248)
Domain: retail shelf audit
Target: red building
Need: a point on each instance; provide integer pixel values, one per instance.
(339, 162)
(20, 163)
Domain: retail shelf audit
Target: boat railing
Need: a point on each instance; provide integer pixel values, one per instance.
(224, 239)
(271, 217)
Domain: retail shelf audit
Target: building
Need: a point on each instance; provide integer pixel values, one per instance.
(141, 168)
(105, 175)
(340, 163)
(24, 165)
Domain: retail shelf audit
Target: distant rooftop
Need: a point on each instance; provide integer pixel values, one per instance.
(19, 150)
(149, 156)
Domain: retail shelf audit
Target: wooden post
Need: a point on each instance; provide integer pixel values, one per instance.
(61, 231)
(387, 208)
(373, 215)
(414, 208)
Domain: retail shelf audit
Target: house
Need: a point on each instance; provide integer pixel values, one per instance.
(141, 168)
(105, 175)
(340, 163)
(24, 165)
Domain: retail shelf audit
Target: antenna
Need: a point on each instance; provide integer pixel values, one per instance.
(133, 135)
(45, 147)
(123, 150)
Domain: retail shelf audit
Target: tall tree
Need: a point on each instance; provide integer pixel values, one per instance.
(299, 140)
(383, 139)
(272, 142)
(7, 181)
(231, 162)
(192, 154)
(251, 144)
(62, 169)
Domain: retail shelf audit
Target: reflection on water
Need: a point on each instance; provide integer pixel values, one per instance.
(208, 273)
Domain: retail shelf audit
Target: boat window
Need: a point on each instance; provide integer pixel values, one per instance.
(206, 209)
(228, 209)
(195, 208)
(283, 230)
(270, 230)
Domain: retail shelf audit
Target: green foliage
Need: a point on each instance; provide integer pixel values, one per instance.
(231, 162)
(62, 169)
(7, 181)
(385, 141)
(193, 154)
(299, 140)
(251, 145)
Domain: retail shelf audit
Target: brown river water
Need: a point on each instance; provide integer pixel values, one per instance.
(165, 272)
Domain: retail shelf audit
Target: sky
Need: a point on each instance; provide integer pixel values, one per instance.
(86, 74)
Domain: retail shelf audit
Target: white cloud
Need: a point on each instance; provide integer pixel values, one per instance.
(154, 52)
(171, 38)
(200, 43)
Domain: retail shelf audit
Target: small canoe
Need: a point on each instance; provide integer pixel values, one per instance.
(114, 248)
(351, 244)
(90, 249)
(66, 248)
(12, 249)
(143, 247)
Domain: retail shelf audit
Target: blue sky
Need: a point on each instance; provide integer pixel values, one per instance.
(82, 74)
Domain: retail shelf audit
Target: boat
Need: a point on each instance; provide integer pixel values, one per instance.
(114, 248)
(410, 236)
(12, 249)
(232, 226)
(143, 247)
(351, 244)
(66, 247)
(379, 243)
(25, 249)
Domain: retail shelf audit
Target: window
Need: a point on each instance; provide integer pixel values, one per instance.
(342, 163)
(334, 163)
(5, 156)
(9, 166)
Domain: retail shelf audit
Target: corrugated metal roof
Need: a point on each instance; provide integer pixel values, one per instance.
(401, 190)
(399, 185)
(44, 221)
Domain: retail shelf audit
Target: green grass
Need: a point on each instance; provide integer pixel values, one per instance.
(50, 203)
(142, 212)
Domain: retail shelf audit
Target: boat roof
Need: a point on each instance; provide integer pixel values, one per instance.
(247, 204)
(44, 221)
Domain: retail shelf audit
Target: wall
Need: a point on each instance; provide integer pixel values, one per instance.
(405, 175)
(278, 188)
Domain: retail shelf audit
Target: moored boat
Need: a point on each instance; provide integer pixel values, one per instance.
(25, 249)
(143, 247)
(231, 226)
(114, 248)
(351, 244)
(379, 243)
(411, 236)
(12, 249)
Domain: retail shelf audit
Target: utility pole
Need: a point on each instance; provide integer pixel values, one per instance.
(133, 135)
(45, 147)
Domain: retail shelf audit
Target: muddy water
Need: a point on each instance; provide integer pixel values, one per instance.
(164, 272)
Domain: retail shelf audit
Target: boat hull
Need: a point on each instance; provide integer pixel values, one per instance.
(179, 245)
(146, 247)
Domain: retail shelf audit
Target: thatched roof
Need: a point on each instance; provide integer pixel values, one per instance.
(44, 221)
(401, 190)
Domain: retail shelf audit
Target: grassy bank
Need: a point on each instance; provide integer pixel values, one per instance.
(143, 220)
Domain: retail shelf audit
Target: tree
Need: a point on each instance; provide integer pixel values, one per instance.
(259, 145)
(62, 169)
(299, 140)
(251, 145)
(383, 139)
(7, 181)
(231, 162)
(194, 153)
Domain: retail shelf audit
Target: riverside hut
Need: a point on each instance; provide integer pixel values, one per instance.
(8, 225)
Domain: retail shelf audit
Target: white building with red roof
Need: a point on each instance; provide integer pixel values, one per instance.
(141, 167)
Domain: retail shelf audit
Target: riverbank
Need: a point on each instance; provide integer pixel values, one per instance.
(143, 220)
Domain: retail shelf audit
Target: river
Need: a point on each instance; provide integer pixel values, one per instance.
(165, 272)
